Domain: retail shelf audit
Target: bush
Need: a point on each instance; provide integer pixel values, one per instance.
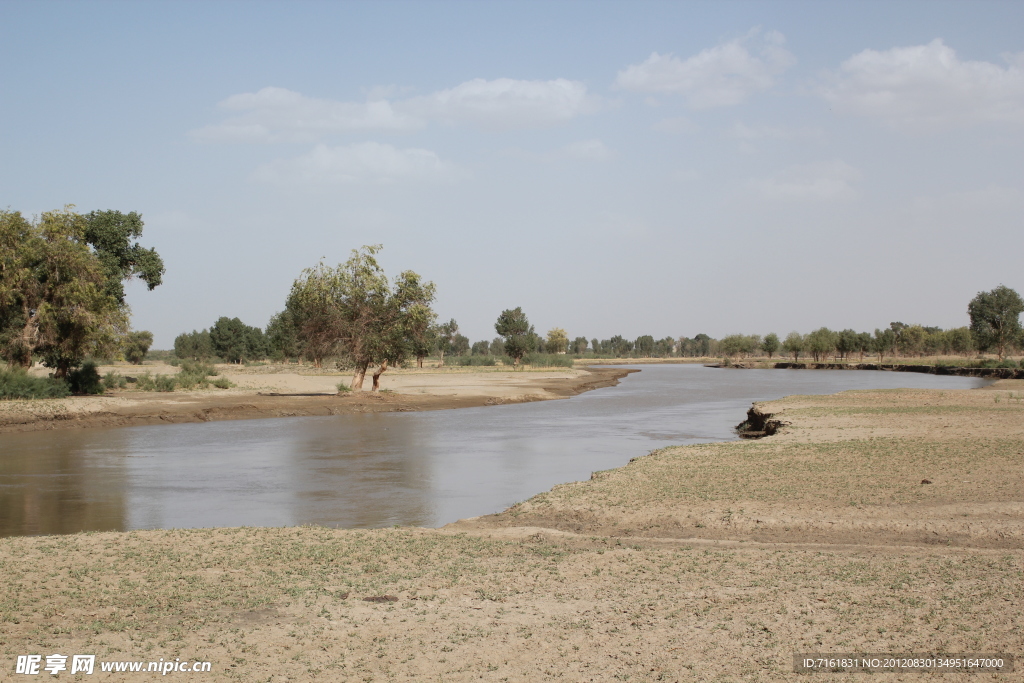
(112, 380)
(147, 382)
(474, 361)
(548, 360)
(165, 383)
(86, 379)
(16, 383)
(222, 383)
(343, 388)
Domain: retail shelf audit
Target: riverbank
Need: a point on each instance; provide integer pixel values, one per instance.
(873, 521)
(276, 391)
(945, 370)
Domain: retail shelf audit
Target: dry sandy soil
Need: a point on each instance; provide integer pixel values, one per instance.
(714, 562)
(289, 391)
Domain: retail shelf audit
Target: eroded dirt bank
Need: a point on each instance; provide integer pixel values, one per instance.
(273, 397)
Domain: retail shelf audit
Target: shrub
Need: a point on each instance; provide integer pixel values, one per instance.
(86, 379)
(165, 383)
(474, 361)
(343, 388)
(548, 360)
(112, 380)
(17, 383)
(222, 383)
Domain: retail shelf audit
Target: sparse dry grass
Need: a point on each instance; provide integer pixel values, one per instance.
(805, 548)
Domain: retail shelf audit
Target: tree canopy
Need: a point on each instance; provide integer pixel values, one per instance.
(62, 284)
(513, 325)
(354, 311)
(995, 318)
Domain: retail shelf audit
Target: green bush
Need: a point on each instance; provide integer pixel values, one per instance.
(17, 383)
(86, 379)
(343, 388)
(222, 383)
(112, 380)
(165, 383)
(473, 361)
(548, 360)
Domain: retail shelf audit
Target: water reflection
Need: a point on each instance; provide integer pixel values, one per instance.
(373, 470)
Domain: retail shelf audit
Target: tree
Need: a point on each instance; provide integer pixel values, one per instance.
(995, 318)
(846, 343)
(282, 337)
(136, 345)
(229, 339)
(619, 346)
(110, 233)
(883, 341)
(770, 344)
(960, 340)
(733, 344)
(702, 345)
(422, 332)
(445, 335)
(481, 348)
(644, 346)
(595, 345)
(460, 345)
(578, 346)
(911, 340)
(557, 342)
(193, 345)
(55, 298)
(864, 344)
(354, 310)
(513, 325)
(794, 344)
(497, 346)
(820, 343)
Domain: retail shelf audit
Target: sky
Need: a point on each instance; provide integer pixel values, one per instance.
(663, 168)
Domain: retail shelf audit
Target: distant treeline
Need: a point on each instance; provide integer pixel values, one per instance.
(995, 326)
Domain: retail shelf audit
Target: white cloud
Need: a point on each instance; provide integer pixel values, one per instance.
(280, 115)
(587, 150)
(928, 86)
(677, 124)
(827, 181)
(719, 76)
(362, 162)
(505, 103)
(741, 131)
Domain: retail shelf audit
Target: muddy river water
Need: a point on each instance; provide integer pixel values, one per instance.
(374, 470)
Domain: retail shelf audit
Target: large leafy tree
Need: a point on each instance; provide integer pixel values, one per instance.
(995, 318)
(557, 342)
(61, 286)
(770, 344)
(354, 311)
(514, 326)
(794, 344)
(820, 343)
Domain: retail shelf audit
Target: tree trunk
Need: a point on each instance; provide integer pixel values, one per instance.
(440, 362)
(376, 375)
(419, 361)
(357, 377)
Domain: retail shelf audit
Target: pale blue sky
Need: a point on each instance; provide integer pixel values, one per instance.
(613, 168)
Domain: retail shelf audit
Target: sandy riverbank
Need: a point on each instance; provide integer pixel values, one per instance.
(287, 391)
(697, 563)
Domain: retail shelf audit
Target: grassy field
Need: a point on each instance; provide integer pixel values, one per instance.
(714, 562)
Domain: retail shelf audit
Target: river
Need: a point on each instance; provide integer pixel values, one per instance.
(375, 470)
